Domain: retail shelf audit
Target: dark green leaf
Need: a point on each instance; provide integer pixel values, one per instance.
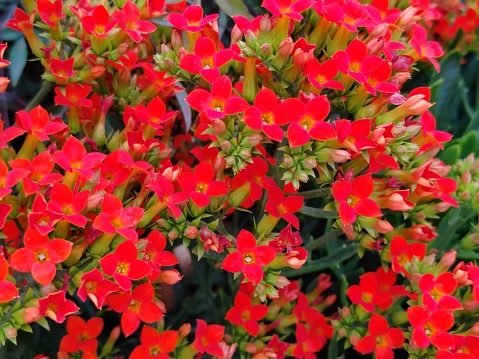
(10, 35)
(333, 346)
(234, 8)
(444, 90)
(469, 144)
(317, 212)
(184, 107)
(451, 154)
(17, 55)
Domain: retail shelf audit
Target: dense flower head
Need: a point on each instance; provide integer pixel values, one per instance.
(172, 158)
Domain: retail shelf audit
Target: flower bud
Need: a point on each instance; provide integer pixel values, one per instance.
(170, 276)
(286, 47)
(447, 260)
(236, 35)
(265, 24)
(176, 39)
(173, 234)
(191, 232)
(266, 49)
(255, 139)
(340, 156)
(184, 331)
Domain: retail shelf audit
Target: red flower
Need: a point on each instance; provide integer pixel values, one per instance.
(56, 307)
(97, 22)
(280, 206)
(219, 102)
(431, 327)
(40, 255)
(354, 135)
(38, 122)
(266, 115)
(249, 258)
(8, 179)
(206, 60)
(377, 80)
(68, 205)
(51, 12)
(165, 191)
(39, 172)
(8, 290)
(139, 305)
(3, 62)
(81, 335)
(245, 314)
(402, 253)
(381, 339)
(191, 20)
(426, 49)
(465, 347)
(437, 291)
(201, 185)
(62, 70)
(355, 61)
(40, 218)
(353, 198)
(124, 265)
(368, 293)
(287, 239)
(115, 218)
(74, 94)
(208, 337)
(429, 137)
(307, 121)
(288, 8)
(74, 158)
(321, 75)
(156, 256)
(96, 287)
(129, 20)
(155, 345)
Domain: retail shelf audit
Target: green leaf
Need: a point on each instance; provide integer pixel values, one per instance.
(317, 212)
(234, 8)
(333, 346)
(444, 90)
(17, 55)
(469, 144)
(10, 35)
(451, 154)
(184, 107)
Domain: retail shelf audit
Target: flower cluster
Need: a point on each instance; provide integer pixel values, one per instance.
(172, 145)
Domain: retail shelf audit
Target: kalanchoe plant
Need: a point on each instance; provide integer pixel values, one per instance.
(167, 183)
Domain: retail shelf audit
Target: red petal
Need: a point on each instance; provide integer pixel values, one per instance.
(297, 135)
(363, 186)
(378, 325)
(420, 338)
(266, 100)
(200, 199)
(123, 281)
(22, 260)
(442, 319)
(343, 127)
(233, 262)
(273, 131)
(417, 316)
(235, 104)
(205, 48)
(342, 190)
(366, 345)
(129, 322)
(138, 269)
(264, 255)
(144, 293)
(322, 131)
(109, 263)
(8, 291)
(150, 312)
(253, 272)
(44, 272)
(217, 188)
(221, 89)
(368, 208)
(346, 213)
(222, 57)
(318, 108)
(61, 247)
(199, 99)
(245, 242)
(191, 63)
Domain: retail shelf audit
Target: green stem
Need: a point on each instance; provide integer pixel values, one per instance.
(41, 95)
(316, 193)
(321, 241)
(317, 213)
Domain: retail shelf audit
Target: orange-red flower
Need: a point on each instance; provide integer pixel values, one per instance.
(245, 314)
(81, 335)
(249, 258)
(155, 345)
(40, 256)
